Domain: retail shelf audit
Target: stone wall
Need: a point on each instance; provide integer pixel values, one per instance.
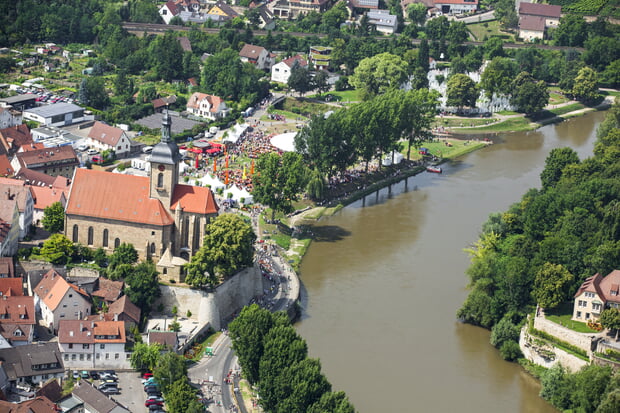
(581, 340)
(217, 306)
(547, 355)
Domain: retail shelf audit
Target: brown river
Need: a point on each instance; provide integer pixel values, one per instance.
(386, 275)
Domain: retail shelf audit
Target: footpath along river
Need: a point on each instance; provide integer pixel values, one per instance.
(386, 275)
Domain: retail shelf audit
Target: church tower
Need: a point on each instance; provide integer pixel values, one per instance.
(164, 161)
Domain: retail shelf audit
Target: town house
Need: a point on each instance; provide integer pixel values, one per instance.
(50, 161)
(17, 318)
(596, 294)
(93, 344)
(32, 363)
(14, 190)
(280, 72)
(257, 55)
(109, 138)
(57, 300)
(207, 106)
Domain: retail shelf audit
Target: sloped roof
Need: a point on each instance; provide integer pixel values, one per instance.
(124, 306)
(15, 137)
(11, 287)
(40, 404)
(53, 288)
(194, 199)
(6, 266)
(591, 284)
(35, 178)
(609, 286)
(18, 361)
(86, 332)
(535, 23)
(106, 134)
(94, 399)
(45, 196)
(115, 196)
(5, 165)
(290, 62)
(16, 307)
(197, 97)
(109, 290)
(46, 155)
(186, 45)
(165, 338)
(536, 9)
(174, 9)
(251, 51)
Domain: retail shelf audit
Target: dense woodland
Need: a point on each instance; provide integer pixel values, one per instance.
(540, 251)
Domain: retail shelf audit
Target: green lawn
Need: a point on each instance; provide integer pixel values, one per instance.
(439, 148)
(562, 315)
(509, 125)
(462, 122)
(485, 29)
(347, 95)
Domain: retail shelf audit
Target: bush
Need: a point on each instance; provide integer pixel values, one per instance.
(510, 350)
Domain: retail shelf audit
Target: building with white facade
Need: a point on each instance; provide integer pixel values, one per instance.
(105, 137)
(280, 72)
(58, 114)
(93, 344)
(207, 106)
(383, 21)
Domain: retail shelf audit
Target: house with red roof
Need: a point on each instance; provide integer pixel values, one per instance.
(596, 294)
(534, 18)
(120, 310)
(207, 106)
(280, 72)
(56, 300)
(161, 218)
(39, 404)
(17, 318)
(14, 190)
(257, 55)
(109, 138)
(169, 10)
(13, 138)
(93, 344)
(51, 161)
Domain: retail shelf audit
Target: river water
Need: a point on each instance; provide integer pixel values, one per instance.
(386, 275)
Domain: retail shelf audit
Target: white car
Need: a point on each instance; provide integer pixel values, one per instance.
(92, 151)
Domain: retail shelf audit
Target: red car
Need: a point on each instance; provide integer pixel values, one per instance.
(153, 402)
(147, 375)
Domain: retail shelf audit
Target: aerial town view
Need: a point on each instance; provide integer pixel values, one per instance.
(322, 206)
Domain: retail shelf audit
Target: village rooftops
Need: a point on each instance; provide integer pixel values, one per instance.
(544, 10)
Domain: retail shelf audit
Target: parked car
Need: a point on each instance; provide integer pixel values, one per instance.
(92, 151)
(107, 386)
(150, 380)
(85, 374)
(147, 375)
(83, 147)
(155, 398)
(94, 375)
(147, 149)
(153, 392)
(76, 375)
(150, 402)
(151, 387)
(110, 390)
(97, 159)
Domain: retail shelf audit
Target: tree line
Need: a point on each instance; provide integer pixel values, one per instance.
(542, 248)
(274, 358)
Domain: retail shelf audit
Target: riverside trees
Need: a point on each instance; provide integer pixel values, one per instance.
(274, 357)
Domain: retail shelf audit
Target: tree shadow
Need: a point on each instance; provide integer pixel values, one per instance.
(329, 233)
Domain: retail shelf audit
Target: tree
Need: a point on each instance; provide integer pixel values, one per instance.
(528, 95)
(555, 386)
(552, 285)
(611, 402)
(498, 76)
(100, 258)
(168, 56)
(462, 91)
(181, 398)
(557, 160)
(300, 385)
(611, 75)
(170, 369)
(601, 51)
(247, 332)
(333, 402)
(379, 73)
(416, 12)
(572, 31)
(610, 319)
(145, 357)
(92, 93)
(57, 249)
(504, 331)
(506, 13)
(415, 116)
(300, 80)
(54, 218)
(510, 350)
(493, 47)
(142, 286)
(589, 388)
(227, 248)
(121, 83)
(279, 181)
(585, 87)
(320, 81)
(123, 254)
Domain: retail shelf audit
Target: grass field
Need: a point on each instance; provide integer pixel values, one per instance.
(462, 122)
(445, 148)
(346, 96)
(483, 30)
(562, 315)
(509, 125)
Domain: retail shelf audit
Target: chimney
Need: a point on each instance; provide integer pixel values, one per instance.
(115, 317)
(92, 324)
(81, 327)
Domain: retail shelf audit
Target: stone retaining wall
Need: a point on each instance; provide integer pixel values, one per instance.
(536, 353)
(581, 340)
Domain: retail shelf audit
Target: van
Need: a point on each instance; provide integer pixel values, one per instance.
(213, 130)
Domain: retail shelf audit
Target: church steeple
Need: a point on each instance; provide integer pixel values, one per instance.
(164, 161)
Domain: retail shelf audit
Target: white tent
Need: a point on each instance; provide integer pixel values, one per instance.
(387, 160)
(284, 141)
(238, 193)
(213, 182)
(236, 132)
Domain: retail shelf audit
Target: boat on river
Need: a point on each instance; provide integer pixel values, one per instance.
(434, 169)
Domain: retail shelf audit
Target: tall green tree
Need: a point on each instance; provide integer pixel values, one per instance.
(300, 80)
(125, 253)
(585, 87)
(170, 369)
(92, 93)
(461, 91)
(498, 76)
(57, 249)
(557, 160)
(610, 319)
(181, 398)
(279, 181)
(377, 74)
(333, 402)
(142, 286)
(54, 218)
(145, 357)
(168, 57)
(300, 386)
(529, 95)
(552, 285)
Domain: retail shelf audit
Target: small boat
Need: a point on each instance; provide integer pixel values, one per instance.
(434, 169)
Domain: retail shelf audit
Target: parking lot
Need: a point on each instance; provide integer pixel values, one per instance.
(131, 395)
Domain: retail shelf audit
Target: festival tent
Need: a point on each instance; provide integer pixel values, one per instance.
(285, 141)
(235, 133)
(387, 160)
(238, 193)
(213, 182)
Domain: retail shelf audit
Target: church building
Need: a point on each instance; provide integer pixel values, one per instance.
(164, 220)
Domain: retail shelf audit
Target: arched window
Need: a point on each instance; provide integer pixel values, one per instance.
(90, 235)
(160, 180)
(75, 233)
(152, 248)
(105, 238)
(117, 243)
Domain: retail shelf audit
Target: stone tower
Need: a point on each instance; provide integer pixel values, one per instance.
(164, 165)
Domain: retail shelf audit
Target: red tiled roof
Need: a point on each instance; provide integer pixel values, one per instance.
(197, 97)
(186, 45)
(33, 147)
(195, 199)
(11, 287)
(536, 9)
(115, 196)
(124, 306)
(467, 2)
(16, 307)
(297, 58)
(39, 405)
(108, 290)
(106, 134)
(45, 196)
(6, 267)
(605, 287)
(174, 9)
(35, 178)
(15, 137)
(53, 288)
(47, 155)
(81, 331)
(5, 166)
